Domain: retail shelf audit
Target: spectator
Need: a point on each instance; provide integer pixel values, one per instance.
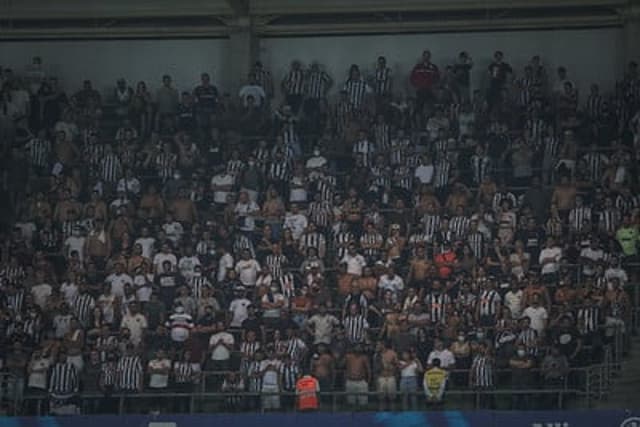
(424, 77)
(435, 382)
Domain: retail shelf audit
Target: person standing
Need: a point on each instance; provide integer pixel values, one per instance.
(382, 80)
(481, 376)
(358, 377)
(293, 86)
(521, 365)
(435, 382)
(317, 84)
(63, 383)
(386, 382)
(206, 98)
(409, 366)
(499, 72)
(167, 100)
(307, 389)
(424, 77)
(357, 89)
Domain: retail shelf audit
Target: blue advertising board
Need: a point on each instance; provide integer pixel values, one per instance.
(586, 418)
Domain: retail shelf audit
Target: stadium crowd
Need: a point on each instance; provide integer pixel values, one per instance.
(152, 236)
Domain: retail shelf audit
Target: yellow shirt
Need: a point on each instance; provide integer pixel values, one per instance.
(434, 382)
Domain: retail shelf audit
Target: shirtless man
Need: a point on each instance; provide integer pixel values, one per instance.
(386, 383)
(66, 208)
(419, 268)
(322, 367)
(358, 376)
(184, 210)
(368, 283)
(98, 244)
(151, 205)
(459, 197)
(345, 280)
(564, 196)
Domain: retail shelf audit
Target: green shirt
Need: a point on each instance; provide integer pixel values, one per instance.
(628, 239)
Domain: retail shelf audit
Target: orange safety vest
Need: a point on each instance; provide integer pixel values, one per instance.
(307, 392)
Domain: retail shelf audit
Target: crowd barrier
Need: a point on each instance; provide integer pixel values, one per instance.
(609, 418)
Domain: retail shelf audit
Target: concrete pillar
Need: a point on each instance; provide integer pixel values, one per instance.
(631, 32)
(242, 53)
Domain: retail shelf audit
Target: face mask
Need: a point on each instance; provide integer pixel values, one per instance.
(480, 335)
(461, 338)
(316, 152)
(252, 163)
(521, 353)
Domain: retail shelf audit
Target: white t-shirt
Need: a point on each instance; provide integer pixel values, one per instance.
(296, 223)
(355, 264)
(160, 258)
(187, 264)
(143, 292)
(252, 90)
(395, 284)
(38, 376)
(619, 273)
(157, 380)
(410, 370)
(147, 244)
(246, 211)
(220, 352)
(238, 309)
(224, 263)
(447, 359)
(131, 185)
(513, 301)
(424, 173)
(173, 230)
(105, 302)
(69, 291)
(223, 180)
(538, 317)
(136, 324)
(75, 243)
(556, 254)
(117, 282)
(61, 324)
(316, 162)
(248, 271)
(41, 294)
(270, 376)
(594, 255)
(323, 327)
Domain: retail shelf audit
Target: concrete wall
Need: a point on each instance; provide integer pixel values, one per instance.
(104, 61)
(589, 55)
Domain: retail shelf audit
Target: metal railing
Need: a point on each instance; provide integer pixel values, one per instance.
(11, 392)
(335, 401)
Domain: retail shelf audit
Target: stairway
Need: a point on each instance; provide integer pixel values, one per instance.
(624, 392)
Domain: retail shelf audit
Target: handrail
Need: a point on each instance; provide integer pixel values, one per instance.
(337, 397)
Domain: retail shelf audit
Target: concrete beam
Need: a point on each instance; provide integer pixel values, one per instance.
(631, 33)
(284, 7)
(243, 51)
(98, 9)
(440, 26)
